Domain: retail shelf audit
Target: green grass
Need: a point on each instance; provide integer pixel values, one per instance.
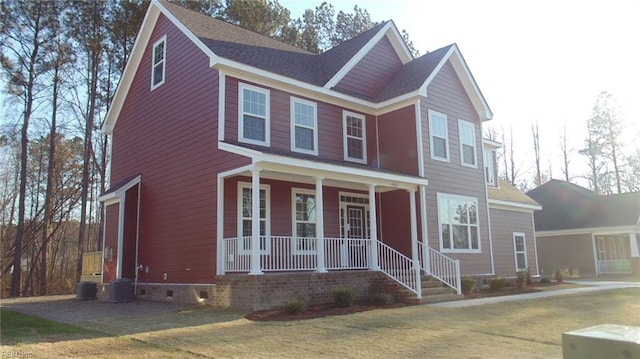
(17, 327)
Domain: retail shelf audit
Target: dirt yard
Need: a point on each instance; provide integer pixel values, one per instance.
(523, 329)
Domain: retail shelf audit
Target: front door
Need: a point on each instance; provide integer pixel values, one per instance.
(353, 247)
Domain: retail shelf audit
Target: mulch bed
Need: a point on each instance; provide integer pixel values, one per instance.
(319, 311)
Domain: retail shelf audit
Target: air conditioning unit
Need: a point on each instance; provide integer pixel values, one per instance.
(86, 290)
(120, 290)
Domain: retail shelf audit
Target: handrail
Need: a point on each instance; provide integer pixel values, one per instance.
(400, 268)
(445, 269)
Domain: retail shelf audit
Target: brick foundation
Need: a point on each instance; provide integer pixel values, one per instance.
(256, 292)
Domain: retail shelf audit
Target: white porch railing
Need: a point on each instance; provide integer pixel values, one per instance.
(399, 267)
(441, 267)
(614, 266)
(284, 253)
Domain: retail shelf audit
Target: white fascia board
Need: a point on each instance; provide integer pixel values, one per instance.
(591, 230)
(357, 57)
(513, 206)
(491, 144)
(139, 46)
(469, 84)
(318, 169)
(300, 88)
(130, 69)
(117, 195)
(401, 48)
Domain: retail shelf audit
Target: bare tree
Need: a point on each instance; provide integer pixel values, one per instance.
(535, 131)
(565, 153)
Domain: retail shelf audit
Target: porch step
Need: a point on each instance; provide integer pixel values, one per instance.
(433, 291)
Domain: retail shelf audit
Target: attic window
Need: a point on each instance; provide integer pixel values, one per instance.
(254, 115)
(159, 61)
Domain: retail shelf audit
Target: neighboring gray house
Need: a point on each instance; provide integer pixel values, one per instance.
(581, 230)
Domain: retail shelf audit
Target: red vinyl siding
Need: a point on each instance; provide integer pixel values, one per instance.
(373, 72)
(111, 242)
(395, 220)
(130, 233)
(398, 142)
(446, 95)
(169, 137)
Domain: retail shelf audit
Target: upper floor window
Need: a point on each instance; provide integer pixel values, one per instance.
(253, 114)
(439, 136)
(159, 62)
(467, 133)
(354, 137)
(304, 123)
(489, 167)
(458, 220)
(304, 220)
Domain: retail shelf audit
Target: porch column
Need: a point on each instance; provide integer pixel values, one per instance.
(425, 235)
(373, 227)
(320, 227)
(633, 239)
(414, 241)
(255, 222)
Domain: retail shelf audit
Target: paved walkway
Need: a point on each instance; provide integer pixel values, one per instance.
(589, 286)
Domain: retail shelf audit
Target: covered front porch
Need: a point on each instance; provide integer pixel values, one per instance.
(615, 252)
(319, 217)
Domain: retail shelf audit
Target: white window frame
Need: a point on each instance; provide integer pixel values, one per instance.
(446, 197)
(489, 157)
(294, 101)
(241, 113)
(345, 137)
(466, 124)
(516, 251)
(162, 40)
(433, 114)
(294, 221)
(267, 227)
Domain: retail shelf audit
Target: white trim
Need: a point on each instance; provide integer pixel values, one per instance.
(535, 243)
(364, 51)
(513, 206)
(419, 138)
(373, 227)
(345, 143)
(220, 226)
(267, 193)
(447, 196)
(162, 40)
(633, 242)
(489, 167)
(222, 112)
(313, 105)
(592, 230)
(595, 254)
(294, 221)
(433, 113)
(325, 170)
(515, 250)
(118, 195)
(490, 228)
(467, 80)
(470, 125)
(241, 113)
(320, 243)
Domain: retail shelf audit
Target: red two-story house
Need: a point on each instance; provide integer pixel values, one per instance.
(246, 172)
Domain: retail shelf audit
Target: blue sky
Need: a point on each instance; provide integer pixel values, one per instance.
(542, 60)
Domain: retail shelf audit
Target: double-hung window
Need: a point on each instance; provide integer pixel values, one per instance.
(354, 140)
(439, 136)
(467, 133)
(458, 219)
(304, 126)
(159, 62)
(489, 167)
(304, 221)
(520, 251)
(245, 217)
(253, 114)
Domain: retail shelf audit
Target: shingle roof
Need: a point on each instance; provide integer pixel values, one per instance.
(247, 47)
(568, 206)
(508, 193)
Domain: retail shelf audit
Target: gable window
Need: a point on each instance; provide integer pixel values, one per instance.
(159, 62)
(520, 251)
(354, 140)
(467, 133)
(439, 136)
(304, 221)
(245, 218)
(458, 220)
(489, 167)
(254, 115)
(304, 123)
